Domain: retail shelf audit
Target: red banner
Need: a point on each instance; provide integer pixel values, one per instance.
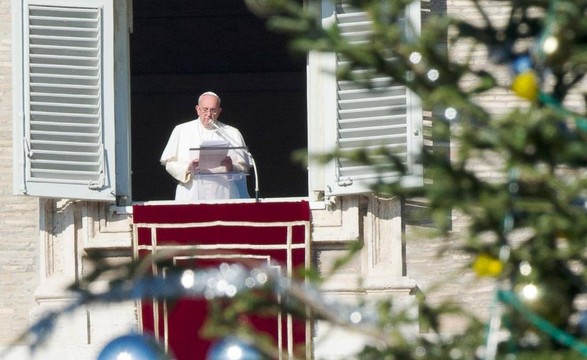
(256, 234)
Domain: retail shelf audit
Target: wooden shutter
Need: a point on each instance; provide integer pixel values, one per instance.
(385, 115)
(68, 106)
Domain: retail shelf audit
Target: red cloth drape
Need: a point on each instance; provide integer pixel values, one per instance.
(256, 233)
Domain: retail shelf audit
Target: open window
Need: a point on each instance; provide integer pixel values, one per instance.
(180, 49)
(80, 67)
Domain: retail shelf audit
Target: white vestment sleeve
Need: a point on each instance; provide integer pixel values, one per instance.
(179, 170)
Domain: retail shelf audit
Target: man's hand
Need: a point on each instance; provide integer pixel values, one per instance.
(227, 163)
(193, 168)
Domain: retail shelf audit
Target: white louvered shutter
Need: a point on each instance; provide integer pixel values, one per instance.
(68, 104)
(387, 115)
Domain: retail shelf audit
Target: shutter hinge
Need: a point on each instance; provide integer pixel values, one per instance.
(98, 184)
(23, 162)
(27, 148)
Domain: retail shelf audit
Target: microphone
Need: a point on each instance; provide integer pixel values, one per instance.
(226, 135)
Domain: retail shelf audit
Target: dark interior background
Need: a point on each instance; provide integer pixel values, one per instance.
(182, 48)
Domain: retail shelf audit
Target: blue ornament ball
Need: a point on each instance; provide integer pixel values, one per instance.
(521, 64)
(133, 347)
(232, 348)
(582, 324)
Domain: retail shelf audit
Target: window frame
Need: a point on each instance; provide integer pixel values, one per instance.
(321, 95)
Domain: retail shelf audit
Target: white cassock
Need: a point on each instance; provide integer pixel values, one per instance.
(176, 158)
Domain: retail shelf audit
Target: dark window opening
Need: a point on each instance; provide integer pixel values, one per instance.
(180, 49)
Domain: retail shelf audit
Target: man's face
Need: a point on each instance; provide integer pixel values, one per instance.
(208, 110)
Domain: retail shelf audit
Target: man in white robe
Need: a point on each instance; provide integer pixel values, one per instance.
(183, 164)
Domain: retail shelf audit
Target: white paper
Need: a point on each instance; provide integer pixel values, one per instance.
(210, 154)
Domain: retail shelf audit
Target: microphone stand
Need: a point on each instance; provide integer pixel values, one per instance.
(231, 140)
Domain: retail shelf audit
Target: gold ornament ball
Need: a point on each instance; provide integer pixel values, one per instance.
(525, 85)
(487, 265)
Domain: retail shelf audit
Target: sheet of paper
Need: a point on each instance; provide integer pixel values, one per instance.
(210, 154)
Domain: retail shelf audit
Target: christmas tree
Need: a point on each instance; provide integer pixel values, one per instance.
(526, 224)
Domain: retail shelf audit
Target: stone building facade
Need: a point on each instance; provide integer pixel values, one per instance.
(19, 219)
(45, 242)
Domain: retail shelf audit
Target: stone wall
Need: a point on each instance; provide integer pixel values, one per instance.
(441, 270)
(19, 230)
